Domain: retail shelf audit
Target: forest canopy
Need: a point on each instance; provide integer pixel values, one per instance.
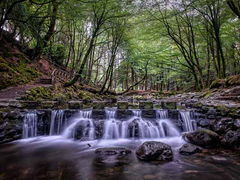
(121, 45)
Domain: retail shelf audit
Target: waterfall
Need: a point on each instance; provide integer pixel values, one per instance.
(162, 114)
(111, 113)
(166, 127)
(81, 125)
(189, 123)
(30, 125)
(137, 113)
(84, 120)
(57, 124)
(137, 127)
(111, 125)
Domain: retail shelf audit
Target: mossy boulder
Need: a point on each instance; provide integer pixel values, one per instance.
(203, 137)
(233, 80)
(217, 83)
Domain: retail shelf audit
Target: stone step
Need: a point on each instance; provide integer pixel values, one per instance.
(232, 94)
(228, 98)
(236, 90)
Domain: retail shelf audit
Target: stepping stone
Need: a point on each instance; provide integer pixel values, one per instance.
(112, 151)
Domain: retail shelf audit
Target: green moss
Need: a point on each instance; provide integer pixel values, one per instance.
(38, 94)
(208, 94)
(198, 105)
(208, 132)
(16, 71)
(233, 80)
(217, 83)
(222, 108)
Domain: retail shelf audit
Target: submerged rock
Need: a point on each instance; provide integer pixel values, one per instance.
(203, 138)
(189, 149)
(152, 150)
(112, 151)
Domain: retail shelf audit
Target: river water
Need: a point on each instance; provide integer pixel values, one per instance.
(55, 157)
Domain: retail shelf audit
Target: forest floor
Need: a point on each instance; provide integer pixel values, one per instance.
(18, 91)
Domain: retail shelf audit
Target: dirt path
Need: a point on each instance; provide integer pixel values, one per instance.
(15, 92)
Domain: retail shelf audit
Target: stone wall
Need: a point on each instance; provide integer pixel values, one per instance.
(10, 125)
(220, 119)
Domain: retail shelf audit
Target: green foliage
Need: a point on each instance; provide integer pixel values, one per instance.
(56, 53)
(149, 39)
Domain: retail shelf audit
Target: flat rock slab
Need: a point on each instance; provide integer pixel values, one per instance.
(113, 151)
(189, 149)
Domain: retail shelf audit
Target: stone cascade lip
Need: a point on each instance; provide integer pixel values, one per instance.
(147, 105)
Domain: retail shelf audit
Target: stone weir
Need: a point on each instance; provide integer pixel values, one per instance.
(19, 104)
(24, 123)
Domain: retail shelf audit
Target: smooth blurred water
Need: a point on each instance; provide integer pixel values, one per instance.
(55, 157)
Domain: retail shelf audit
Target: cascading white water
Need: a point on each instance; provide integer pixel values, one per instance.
(30, 125)
(83, 117)
(136, 127)
(189, 123)
(57, 124)
(137, 113)
(82, 126)
(166, 127)
(162, 114)
(111, 125)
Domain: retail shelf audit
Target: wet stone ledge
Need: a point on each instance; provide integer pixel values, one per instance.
(98, 114)
(149, 114)
(123, 114)
(173, 114)
(145, 105)
(11, 125)
(75, 104)
(122, 105)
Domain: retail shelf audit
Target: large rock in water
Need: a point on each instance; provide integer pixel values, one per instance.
(223, 125)
(231, 139)
(189, 149)
(203, 138)
(151, 150)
